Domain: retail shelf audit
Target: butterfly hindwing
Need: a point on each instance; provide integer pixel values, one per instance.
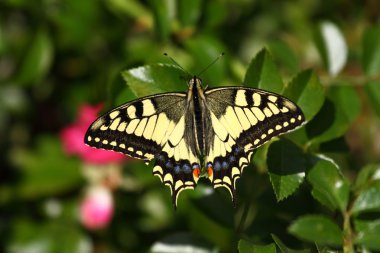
(243, 119)
(148, 128)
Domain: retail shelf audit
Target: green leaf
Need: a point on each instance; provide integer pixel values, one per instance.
(318, 229)
(368, 200)
(153, 79)
(285, 54)
(367, 176)
(263, 74)
(336, 115)
(373, 92)
(189, 11)
(332, 47)
(41, 175)
(247, 247)
(284, 249)
(38, 59)
(286, 166)
(163, 16)
(368, 234)
(307, 92)
(371, 51)
(329, 186)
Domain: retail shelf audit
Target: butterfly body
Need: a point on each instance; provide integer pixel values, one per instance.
(212, 132)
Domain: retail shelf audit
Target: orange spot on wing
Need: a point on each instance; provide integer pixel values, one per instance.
(196, 172)
(209, 171)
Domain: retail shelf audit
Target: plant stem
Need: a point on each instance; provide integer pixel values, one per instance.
(348, 246)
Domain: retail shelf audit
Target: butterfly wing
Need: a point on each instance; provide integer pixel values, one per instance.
(243, 119)
(148, 128)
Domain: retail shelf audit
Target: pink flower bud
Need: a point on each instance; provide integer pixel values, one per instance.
(96, 209)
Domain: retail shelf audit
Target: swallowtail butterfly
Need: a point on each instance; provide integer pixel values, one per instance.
(211, 132)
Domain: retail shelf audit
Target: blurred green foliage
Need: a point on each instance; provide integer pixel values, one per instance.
(58, 54)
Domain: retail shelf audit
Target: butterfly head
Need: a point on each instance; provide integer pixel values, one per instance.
(195, 82)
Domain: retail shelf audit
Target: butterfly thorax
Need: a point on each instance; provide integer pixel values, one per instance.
(198, 112)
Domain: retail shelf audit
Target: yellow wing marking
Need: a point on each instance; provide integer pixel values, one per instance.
(178, 131)
(132, 126)
(150, 127)
(148, 107)
(140, 128)
(161, 126)
(131, 111)
(114, 114)
(256, 99)
(240, 99)
(242, 118)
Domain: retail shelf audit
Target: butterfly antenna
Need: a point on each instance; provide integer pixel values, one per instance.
(212, 63)
(177, 64)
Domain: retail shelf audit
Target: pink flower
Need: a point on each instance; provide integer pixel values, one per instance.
(72, 137)
(96, 209)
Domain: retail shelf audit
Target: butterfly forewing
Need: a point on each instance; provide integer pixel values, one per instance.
(151, 127)
(243, 119)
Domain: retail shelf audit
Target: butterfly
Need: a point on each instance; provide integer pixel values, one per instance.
(204, 132)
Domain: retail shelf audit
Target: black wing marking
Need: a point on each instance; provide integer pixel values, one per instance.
(148, 128)
(242, 120)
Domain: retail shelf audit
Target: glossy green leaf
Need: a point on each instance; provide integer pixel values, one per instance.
(307, 92)
(284, 249)
(41, 174)
(286, 185)
(318, 229)
(368, 199)
(38, 59)
(368, 234)
(263, 74)
(153, 79)
(163, 16)
(367, 176)
(329, 186)
(373, 92)
(286, 167)
(371, 51)
(332, 47)
(124, 96)
(247, 247)
(336, 114)
(189, 11)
